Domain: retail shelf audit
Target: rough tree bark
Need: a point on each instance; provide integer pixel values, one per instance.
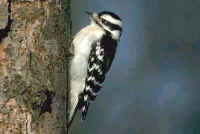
(34, 39)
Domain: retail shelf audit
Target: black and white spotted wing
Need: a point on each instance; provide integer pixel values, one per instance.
(99, 63)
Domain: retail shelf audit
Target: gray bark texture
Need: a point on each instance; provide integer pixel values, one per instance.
(34, 41)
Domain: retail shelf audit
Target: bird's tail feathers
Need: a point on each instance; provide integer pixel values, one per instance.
(84, 109)
(72, 111)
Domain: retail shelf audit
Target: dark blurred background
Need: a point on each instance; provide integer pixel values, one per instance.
(154, 84)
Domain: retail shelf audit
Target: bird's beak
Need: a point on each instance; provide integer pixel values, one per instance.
(93, 16)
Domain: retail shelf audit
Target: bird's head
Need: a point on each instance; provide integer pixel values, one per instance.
(109, 21)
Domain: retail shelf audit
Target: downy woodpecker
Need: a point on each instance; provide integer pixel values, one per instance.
(94, 49)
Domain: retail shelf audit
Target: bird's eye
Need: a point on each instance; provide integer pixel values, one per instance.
(104, 21)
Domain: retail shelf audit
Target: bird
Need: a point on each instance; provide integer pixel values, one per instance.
(93, 48)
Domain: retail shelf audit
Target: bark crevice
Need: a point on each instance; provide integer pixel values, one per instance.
(4, 32)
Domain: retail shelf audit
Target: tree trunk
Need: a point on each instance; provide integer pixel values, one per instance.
(34, 41)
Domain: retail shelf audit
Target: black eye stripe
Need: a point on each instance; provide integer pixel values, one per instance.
(111, 26)
(115, 27)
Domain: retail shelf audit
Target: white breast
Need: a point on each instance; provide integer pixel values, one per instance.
(78, 67)
(84, 39)
(82, 45)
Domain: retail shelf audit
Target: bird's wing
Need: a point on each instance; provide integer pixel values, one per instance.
(110, 50)
(100, 60)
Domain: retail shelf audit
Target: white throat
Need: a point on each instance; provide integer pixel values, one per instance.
(93, 23)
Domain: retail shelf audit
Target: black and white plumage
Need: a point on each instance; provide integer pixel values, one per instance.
(94, 49)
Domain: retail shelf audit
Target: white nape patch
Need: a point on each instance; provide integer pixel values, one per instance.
(115, 33)
(112, 20)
